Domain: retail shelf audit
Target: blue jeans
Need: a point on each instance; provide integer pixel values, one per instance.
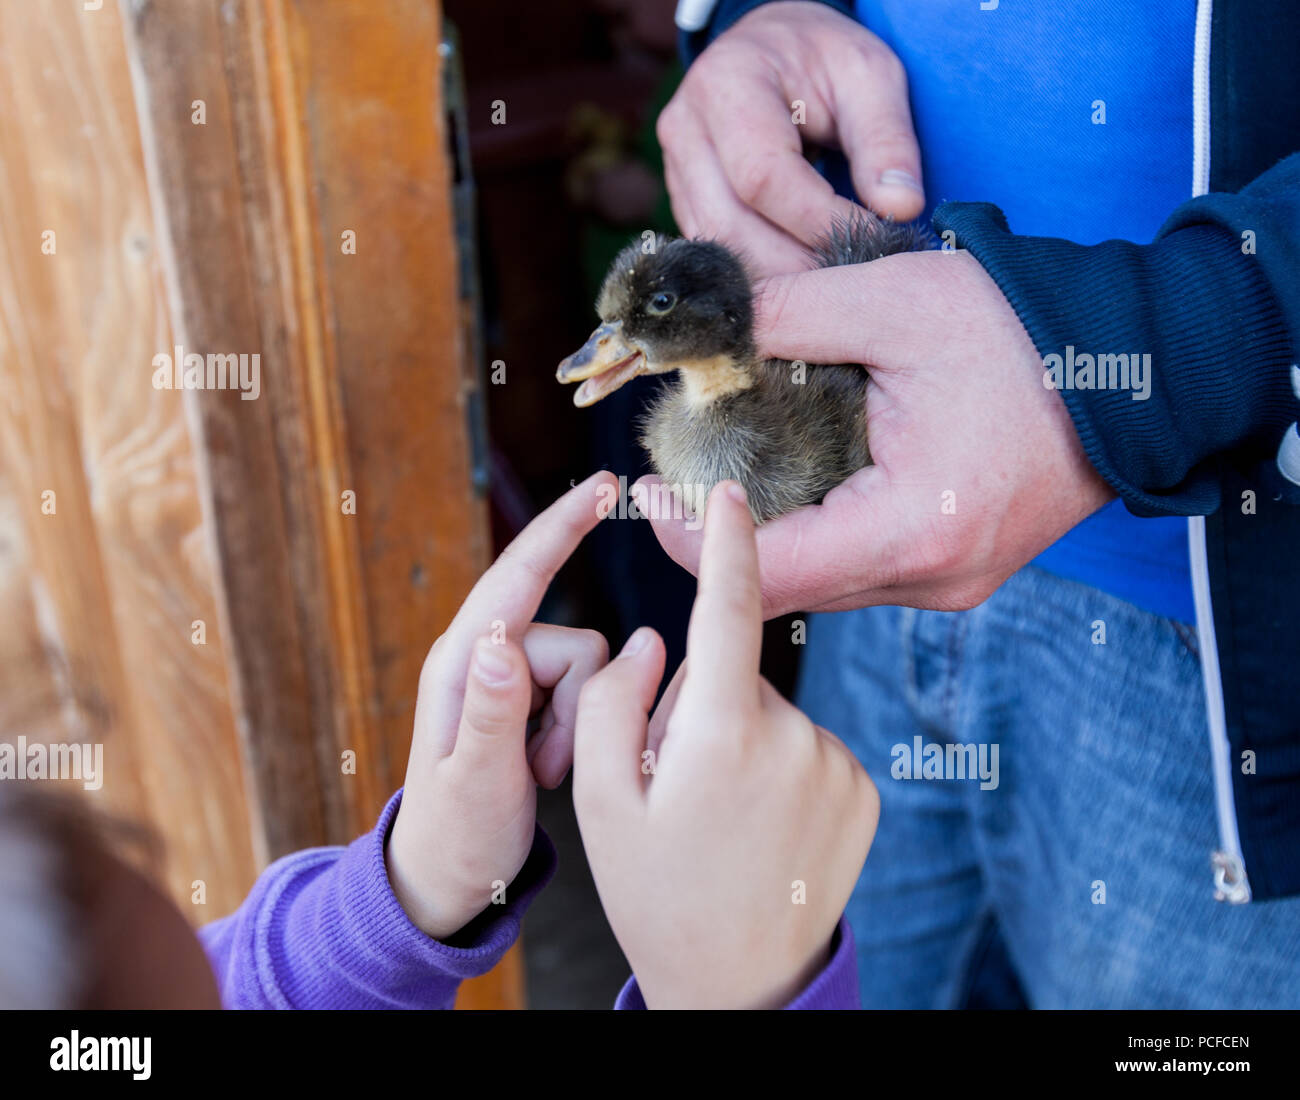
(1090, 855)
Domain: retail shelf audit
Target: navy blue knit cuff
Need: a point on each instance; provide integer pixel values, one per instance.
(1191, 307)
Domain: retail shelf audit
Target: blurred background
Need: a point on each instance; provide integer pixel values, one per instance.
(404, 212)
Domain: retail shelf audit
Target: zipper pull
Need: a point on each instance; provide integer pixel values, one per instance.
(1230, 883)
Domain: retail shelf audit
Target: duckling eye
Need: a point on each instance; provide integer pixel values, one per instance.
(661, 303)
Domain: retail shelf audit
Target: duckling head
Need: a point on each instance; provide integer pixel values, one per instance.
(669, 305)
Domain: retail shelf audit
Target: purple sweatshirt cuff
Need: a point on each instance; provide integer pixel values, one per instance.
(836, 987)
(323, 929)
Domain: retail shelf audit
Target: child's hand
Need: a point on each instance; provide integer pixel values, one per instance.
(698, 865)
(467, 814)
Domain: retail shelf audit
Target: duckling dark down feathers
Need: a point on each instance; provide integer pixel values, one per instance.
(788, 434)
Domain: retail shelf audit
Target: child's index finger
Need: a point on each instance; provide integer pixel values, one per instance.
(725, 638)
(514, 585)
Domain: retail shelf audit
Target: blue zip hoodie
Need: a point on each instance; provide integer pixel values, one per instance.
(1217, 295)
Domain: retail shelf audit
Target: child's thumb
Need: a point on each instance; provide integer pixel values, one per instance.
(498, 693)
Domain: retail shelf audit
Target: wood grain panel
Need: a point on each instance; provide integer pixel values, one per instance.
(211, 211)
(105, 590)
(370, 76)
(181, 506)
(321, 119)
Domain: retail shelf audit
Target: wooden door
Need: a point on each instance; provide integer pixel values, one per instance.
(234, 596)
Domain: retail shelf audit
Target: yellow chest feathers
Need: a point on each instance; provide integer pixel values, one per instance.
(706, 380)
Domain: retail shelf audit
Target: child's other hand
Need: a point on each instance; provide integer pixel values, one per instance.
(698, 864)
(467, 814)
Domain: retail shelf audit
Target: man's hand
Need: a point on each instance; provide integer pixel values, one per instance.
(977, 466)
(469, 806)
(701, 825)
(733, 153)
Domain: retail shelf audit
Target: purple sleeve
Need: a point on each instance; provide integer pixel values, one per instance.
(322, 929)
(836, 987)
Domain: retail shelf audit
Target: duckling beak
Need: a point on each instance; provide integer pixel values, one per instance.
(602, 364)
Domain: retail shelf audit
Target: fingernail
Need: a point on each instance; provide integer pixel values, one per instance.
(737, 493)
(491, 666)
(896, 177)
(636, 643)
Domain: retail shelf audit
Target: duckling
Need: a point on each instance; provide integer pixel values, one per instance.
(788, 433)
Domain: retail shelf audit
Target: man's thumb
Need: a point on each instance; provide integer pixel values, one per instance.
(680, 536)
(874, 313)
(498, 694)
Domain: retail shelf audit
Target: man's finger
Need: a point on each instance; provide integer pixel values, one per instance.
(725, 637)
(803, 552)
(681, 540)
(801, 558)
(611, 724)
(874, 124)
(764, 163)
(879, 313)
(704, 205)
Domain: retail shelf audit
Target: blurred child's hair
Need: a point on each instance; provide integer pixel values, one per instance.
(54, 855)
